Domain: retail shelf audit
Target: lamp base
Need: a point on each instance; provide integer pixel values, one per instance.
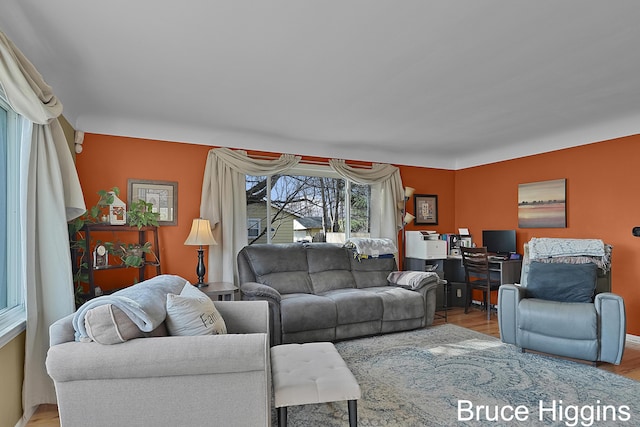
(200, 269)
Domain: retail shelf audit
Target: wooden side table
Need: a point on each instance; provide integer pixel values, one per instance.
(222, 291)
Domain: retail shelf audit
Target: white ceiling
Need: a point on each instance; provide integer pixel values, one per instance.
(438, 83)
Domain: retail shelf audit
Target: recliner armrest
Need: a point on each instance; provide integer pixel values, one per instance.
(258, 291)
(613, 326)
(253, 291)
(509, 296)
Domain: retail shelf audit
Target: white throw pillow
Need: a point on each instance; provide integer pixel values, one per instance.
(193, 313)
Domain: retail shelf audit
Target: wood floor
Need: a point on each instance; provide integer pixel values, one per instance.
(47, 415)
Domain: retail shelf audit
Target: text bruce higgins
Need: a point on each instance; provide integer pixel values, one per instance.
(555, 410)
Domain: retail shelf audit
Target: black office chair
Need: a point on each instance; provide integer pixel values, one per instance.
(478, 276)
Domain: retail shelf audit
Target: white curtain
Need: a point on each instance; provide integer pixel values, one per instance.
(224, 204)
(386, 195)
(54, 196)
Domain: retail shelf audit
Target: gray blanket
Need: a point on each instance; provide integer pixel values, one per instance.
(144, 303)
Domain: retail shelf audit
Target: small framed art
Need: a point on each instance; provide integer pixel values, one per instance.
(163, 195)
(426, 207)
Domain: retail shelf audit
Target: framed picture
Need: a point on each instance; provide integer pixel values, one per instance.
(543, 204)
(426, 206)
(163, 195)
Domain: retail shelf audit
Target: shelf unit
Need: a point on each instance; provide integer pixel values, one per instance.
(144, 234)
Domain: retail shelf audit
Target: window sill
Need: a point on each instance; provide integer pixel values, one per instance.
(12, 324)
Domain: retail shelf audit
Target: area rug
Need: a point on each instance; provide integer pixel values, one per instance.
(451, 376)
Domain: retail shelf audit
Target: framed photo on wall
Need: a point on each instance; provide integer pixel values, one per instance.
(163, 195)
(426, 207)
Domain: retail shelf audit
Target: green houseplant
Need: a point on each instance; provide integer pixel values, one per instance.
(132, 254)
(140, 214)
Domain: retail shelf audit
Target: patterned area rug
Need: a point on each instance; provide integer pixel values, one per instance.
(440, 376)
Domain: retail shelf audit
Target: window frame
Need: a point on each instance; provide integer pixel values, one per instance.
(13, 317)
(324, 171)
(253, 223)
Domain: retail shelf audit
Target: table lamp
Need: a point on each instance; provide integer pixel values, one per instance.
(200, 235)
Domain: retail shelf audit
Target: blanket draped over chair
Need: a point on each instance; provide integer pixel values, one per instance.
(571, 251)
(144, 303)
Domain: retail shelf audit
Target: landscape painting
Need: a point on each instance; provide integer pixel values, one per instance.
(542, 204)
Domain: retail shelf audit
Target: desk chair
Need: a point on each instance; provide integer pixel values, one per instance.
(477, 276)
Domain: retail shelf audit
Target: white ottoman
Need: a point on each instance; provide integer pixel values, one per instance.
(311, 373)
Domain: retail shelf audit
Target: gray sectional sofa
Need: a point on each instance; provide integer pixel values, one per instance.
(322, 292)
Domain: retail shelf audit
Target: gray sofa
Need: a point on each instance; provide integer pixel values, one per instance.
(322, 292)
(168, 380)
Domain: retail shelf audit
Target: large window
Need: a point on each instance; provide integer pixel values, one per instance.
(12, 312)
(311, 204)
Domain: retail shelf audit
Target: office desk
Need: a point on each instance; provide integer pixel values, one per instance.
(452, 270)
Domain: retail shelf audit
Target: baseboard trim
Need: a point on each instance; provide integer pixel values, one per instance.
(633, 338)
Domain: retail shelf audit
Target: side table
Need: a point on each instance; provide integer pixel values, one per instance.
(222, 291)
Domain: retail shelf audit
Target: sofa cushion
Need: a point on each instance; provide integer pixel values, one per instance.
(272, 258)
(287, 282)
(356, 305)
(107, 324)
(562, 282)
(368, 272)
(399, 303)
(306, 312)
(281, 266)
(329, 267)
(557, 319)
(193, 313)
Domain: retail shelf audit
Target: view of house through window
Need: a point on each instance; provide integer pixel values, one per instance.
(296, 208)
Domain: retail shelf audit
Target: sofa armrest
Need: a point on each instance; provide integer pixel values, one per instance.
(257, 291)
(159, 357)
(244, 317)
(253, 291)
(612, 323)
(428, 292)
(509, 296)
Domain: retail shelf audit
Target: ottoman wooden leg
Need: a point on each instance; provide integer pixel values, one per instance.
(353, 413)
(282, 416)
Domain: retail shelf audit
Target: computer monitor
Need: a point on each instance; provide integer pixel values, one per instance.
(501, 242)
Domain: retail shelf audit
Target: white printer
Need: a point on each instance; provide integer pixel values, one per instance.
(425, 245)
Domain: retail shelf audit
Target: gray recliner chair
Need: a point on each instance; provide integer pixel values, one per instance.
(551, 311)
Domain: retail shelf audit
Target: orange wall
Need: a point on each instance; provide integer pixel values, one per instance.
(602, 189)
(603, 182)
(109, 161)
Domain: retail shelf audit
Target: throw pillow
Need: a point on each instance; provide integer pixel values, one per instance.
(193, 313)
(107, 324)
(562, 282)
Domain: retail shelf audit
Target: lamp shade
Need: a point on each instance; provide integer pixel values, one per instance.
(408, 218)
(200, 234)
(408, 192)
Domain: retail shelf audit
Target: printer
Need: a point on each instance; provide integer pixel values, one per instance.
(425, 245)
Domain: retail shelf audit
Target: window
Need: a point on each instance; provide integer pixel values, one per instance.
(253, 227)
(312, 204)
(12, 309)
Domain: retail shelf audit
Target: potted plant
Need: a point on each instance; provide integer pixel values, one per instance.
(96, 214)
(141, 214)
(132, 254)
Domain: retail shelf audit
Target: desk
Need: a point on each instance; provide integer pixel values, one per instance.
(506, 271)
(452, 295)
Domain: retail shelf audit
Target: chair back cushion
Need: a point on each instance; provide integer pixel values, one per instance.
(562, 282)
(282, 266)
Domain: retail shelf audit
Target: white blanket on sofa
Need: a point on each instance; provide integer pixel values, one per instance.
(144, 303)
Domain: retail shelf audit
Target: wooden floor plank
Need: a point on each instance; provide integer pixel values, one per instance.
(47, 415)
